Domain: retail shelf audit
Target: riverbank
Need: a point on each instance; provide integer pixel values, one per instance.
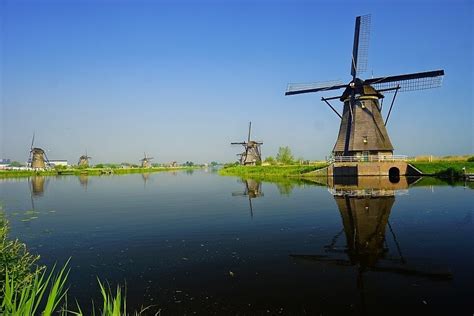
(296, 171)
(438, 168)
(444, 168)
(86, 171)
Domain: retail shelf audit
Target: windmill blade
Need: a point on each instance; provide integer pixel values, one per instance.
(32, 141)
(241, 143)
(360, 50)
(408, 82)
(47, 159)
(250, 129)
(299, 88)
(239, 194)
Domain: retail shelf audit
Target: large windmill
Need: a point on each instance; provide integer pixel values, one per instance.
(251, 154)
(146, 163)
(362, 134)
(84, 160)
(38, 158)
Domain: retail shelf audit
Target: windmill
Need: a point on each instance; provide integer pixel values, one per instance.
(362, 133)
(251, 154)
(146, 161)
(38, 158)
(84, 160)
(253, 189)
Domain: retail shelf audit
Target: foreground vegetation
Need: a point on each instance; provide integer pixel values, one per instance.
(27, 288)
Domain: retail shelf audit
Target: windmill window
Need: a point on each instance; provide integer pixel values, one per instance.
(365, 140)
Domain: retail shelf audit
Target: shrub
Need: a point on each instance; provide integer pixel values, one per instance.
(470, 159)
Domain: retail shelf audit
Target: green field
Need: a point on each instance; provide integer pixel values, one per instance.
(86, 171)
(272, 171)
(443, 167)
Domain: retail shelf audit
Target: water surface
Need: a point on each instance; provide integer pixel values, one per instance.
(199, 243)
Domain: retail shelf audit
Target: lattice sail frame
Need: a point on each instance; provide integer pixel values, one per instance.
(409, 84)
(321, 86)
(364, 40)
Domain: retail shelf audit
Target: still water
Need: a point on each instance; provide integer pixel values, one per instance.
(198, 243)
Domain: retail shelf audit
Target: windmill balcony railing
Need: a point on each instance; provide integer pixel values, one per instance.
(370, 158)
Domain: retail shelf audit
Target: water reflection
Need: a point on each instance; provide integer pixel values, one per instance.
(83, 180)
(365, 205)
(145, 177)
(37, 185)
(253, 189)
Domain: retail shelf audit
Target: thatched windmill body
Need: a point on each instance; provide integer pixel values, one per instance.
(146, 161)
(252, 154)
(362, 133)
(38, 158)
(84, 160)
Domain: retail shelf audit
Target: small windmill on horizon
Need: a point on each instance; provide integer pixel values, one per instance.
(84, 160)
(252, 154)
(37, 158)
(146, 163)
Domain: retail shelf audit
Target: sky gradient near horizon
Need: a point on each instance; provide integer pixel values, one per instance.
(182, 79)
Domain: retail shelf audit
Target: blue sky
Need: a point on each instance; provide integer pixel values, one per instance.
(182, 79)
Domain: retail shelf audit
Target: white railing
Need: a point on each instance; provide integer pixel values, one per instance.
(370, 158)
(367, 192)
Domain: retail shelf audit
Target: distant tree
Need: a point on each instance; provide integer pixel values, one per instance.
(99, 165)
(470, 159)
(270, 160)
(189, 163)
(214, 163)
(284, 155)
(16, 164)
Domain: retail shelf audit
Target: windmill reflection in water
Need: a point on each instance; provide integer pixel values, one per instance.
(253, 189)
(365, 204)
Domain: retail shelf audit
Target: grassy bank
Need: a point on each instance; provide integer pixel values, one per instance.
(86, 171)
(444, 168)
(269, 171)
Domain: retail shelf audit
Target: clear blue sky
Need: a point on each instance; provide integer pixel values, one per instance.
(180, 80)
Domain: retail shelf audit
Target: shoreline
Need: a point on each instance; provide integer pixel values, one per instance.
(87, 171)
(439, 169)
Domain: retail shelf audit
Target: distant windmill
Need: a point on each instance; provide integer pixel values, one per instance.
(146, 163)
(363, 135)
(38, 158)
(251, 154)
(84, 160)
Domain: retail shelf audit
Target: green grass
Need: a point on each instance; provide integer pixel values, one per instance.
(443, 168)
(269, 171)
(85, 171)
